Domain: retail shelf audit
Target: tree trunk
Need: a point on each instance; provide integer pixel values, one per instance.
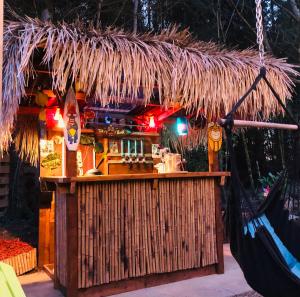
(135, 15)
(149, 9)
(295, 9)
(98, 14)
(47, 11)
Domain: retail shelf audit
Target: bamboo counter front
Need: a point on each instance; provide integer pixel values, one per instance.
(124, 232)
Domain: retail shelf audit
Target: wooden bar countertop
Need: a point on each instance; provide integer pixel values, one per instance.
(118, 177)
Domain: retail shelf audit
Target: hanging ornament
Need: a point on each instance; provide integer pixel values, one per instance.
(72, 129)
(41, 99)
(214, 136)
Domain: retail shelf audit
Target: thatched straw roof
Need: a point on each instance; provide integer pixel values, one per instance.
(112, 64)
(26, 138)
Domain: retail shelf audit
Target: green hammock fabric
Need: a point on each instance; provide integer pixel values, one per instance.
(9, 283)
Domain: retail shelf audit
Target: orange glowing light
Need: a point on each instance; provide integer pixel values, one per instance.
(152, 122)
(58, 117)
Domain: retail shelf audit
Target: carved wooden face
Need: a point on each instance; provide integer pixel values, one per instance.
(214, 135)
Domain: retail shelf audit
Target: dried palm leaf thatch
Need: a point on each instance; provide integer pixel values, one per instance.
(112, 65)
(180, 144)
(27, 139)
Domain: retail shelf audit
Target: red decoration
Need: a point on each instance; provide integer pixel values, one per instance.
(13, 247)
(50, 114)
(89, 114)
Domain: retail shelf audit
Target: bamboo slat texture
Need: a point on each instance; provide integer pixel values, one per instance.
(22, 263)
(129, 229)
(60, 237)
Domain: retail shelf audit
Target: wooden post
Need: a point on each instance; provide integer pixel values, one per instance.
(105, 149)
(72, 244)
(219, 227)
(71, 163)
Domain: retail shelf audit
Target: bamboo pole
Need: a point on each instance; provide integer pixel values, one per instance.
(154, 231)
(130, 258)
(122, 231)
(111, 232)
(127, 243)
(256, 124)
(116, 231)
(136, 228)
(80, 238)
(84, 236)
(144, 230)
(102, 237)
(98, 244)
(95, 235)
(167, 223)
(106, 232)
(118, 227)
(192, 224)
(91, 235)
(175, 227)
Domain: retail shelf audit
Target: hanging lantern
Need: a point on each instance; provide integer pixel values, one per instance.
(182, 126)
(41, 99)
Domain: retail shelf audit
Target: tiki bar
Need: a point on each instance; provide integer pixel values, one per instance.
(107, 116)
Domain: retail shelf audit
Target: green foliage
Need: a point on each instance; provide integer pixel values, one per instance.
(196, 160)
(268, 180)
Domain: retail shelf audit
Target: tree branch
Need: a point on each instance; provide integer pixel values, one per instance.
(288, 11)
(135, 17)
(295, 9)
(99, 7)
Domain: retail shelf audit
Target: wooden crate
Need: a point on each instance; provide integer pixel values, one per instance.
(22, 263)
(4, 183)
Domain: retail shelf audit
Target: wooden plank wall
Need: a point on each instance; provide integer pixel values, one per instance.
(128, 229)
(46, 229)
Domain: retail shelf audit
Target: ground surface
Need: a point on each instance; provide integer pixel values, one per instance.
(249, 294)
(231, 283)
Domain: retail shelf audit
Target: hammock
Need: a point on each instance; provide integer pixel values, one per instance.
(264, 241)
(9, 283)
